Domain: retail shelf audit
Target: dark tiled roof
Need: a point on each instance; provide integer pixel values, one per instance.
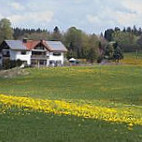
(56, 46)
(30, 44)
(16, 44)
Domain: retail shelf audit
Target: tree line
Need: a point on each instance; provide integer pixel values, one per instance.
(80, 44)
(129, 39)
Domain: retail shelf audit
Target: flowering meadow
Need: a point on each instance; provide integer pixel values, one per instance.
(79, 104)
(121, 115)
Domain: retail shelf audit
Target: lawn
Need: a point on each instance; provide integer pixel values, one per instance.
(110, 89)
(104, 83)
(132, 58)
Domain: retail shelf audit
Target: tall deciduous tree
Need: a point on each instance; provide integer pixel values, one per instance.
(6, 31)
(126, 40)
(93, 45)
(92, 55)
(73, 41)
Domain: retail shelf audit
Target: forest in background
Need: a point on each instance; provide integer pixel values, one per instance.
(80, 44)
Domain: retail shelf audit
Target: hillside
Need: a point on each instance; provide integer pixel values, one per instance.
(73, 104)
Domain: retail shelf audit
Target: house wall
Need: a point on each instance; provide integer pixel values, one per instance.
(15, 55)
(56, 58)
(0, 59)
(2, 53)
(48, 56)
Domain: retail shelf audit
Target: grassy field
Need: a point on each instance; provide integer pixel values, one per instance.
(132, 58)
(117, 88)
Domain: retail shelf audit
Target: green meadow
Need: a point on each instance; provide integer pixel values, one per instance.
(113, 86)
(121, 84)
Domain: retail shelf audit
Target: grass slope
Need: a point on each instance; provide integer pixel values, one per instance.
(109, 86)
(109, 83)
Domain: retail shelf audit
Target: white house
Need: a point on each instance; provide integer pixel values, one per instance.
(33, 53)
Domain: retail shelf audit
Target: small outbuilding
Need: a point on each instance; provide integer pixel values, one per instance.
(73, 61)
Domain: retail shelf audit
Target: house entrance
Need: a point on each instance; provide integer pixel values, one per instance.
(38, 63)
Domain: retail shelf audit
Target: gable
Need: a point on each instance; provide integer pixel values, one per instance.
(30, 44)
(40, 46)
(4, 45)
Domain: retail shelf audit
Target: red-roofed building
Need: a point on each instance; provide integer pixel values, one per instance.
(33, 53)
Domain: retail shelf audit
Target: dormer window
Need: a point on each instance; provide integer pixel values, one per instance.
(57, 54)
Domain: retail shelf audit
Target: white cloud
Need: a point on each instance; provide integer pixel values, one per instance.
(132, 14)
(99, 14)
(37, 17)
(16, 6)
(126, 18)
(133, 5)
(128, 15)
(92, 19)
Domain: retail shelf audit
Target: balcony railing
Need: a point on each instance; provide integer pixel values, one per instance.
(6, 55)
(39, 57)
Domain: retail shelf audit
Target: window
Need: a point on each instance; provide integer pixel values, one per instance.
(40, 48)
(51, 62)
(42, 62)
(6, 53)
(38, 53)
(23, 52)
(56, 54)
(58, 63)
(33, 62)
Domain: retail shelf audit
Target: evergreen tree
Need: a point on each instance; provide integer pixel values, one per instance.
(117, 29)
(117, 54)
(108, 34)
(56, 34)
(129, 30)
(140, 32)
(135, 31)
(109, 50)
(113, 52)
(124, 30)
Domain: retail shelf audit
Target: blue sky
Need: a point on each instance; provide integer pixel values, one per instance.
(92, 16)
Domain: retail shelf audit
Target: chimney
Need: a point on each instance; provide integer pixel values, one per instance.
(25, 40)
